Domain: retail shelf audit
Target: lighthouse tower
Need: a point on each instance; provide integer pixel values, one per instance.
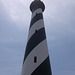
(36, 59)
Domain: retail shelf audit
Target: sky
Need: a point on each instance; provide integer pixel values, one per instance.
(59, 20)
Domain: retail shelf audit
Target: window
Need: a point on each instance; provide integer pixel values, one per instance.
(36, 14)
(35, 59)
(35, 31)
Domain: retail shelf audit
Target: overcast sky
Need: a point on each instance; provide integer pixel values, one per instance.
(59, 19)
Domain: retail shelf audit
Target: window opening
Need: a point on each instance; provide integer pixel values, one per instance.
(35, 31)
(35, 59)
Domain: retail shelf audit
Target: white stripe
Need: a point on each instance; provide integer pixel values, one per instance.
(37, 25)
(36, 11)
(41, 51)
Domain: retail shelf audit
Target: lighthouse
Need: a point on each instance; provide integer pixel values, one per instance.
(36, 59)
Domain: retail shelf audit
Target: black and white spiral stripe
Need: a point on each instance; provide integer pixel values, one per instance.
(36, 46)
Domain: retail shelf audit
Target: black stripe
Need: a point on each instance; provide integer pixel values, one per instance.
(43, 69)
(36, 18)
(36, 38)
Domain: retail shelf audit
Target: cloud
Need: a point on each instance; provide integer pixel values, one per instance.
(64, 72)
(12, 44)
(60, 12)
(18, 11)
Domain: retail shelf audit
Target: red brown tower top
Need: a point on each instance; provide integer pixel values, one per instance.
(37, 4)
